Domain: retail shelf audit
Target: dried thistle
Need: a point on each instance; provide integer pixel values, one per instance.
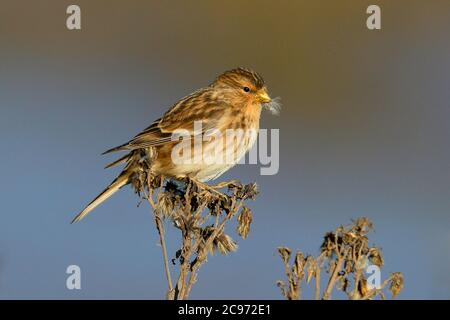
(244, 221)
(299, 265)
(344, 256)
(396, 284)
(166, 203)
(225, 244)
(363, 288)
(295, 274)
(285, 254)
(375, 256)
(201, 213)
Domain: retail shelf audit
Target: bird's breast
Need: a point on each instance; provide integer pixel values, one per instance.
(208, 156)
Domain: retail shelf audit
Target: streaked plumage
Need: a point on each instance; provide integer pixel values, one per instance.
(233, 101)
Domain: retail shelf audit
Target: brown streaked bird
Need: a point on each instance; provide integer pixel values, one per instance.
(233, 101)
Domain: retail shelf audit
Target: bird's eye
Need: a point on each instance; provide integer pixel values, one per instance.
(246, 89)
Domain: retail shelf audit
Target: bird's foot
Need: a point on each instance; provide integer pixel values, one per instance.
(211, 189)
(226, 184)
(180, 186)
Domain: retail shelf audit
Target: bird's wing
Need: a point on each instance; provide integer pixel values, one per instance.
(199, 106)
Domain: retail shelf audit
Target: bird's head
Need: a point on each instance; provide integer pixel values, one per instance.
(247, 87)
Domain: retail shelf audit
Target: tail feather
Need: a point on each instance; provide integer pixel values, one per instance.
(123, 159)
(115, 149)
(118, 183)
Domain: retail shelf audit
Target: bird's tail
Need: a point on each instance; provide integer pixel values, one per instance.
(119, 182)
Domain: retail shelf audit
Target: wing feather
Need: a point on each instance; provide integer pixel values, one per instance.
(199, 106)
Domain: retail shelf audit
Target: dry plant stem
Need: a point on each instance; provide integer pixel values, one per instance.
(192, 210)
(191, 282)
(186, 254)
(317, 274)
(201, 258)
(160, 228)
(317, 283)
(294, 292)
(333, 278)
(358, 273)
(192, 278)
(180, 288)
(203, 252)
(354, 293)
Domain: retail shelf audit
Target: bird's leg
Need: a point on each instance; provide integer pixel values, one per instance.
(224, 184)
(207, 187)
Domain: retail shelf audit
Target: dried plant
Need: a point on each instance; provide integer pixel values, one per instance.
(200, 212)
(345, 254)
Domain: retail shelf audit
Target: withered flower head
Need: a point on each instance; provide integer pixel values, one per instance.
(248, 191)
(328, 244)
(225, 244)
(299, 264)
(217, 206)
(244, 220)
(166, 204)
(363, 225)
(375, 256)
(363, 288)
(349, 237)
(396, 283)
(285, 254)
(222, 242)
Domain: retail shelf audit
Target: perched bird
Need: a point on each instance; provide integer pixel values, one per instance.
(233, 102)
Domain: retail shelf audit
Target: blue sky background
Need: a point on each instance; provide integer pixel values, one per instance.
(363, 132)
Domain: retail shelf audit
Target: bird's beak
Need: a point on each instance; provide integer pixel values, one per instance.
(263, 96)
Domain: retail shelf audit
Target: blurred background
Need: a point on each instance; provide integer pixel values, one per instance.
(363, 132)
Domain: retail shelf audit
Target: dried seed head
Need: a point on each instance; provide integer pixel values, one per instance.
(363, 225)
(225, 244)
(347, 244)
(363, 288)
(285, 254)
(349, 238)
(222, 242)
(166, 204)
(396, 283)
(144, 179)
(375, 256)
(299, 265)
(139, 182)
(328, 244)
(248, 191)
(244, 220)
(215, 207)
